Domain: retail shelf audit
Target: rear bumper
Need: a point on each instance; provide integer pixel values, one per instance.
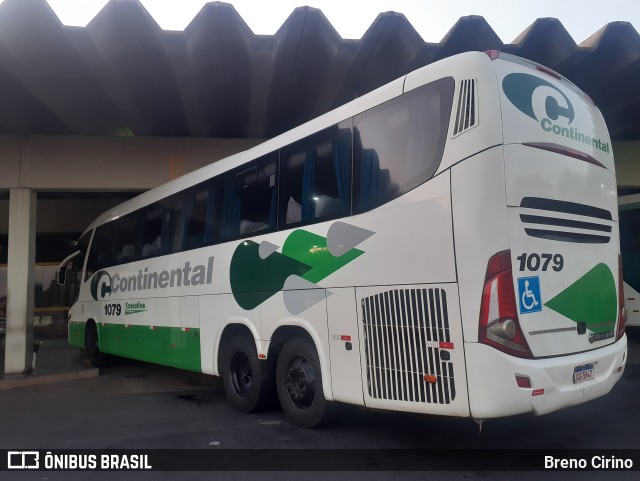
(493, 391)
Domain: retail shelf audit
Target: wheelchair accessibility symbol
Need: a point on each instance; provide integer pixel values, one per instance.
(529, 294)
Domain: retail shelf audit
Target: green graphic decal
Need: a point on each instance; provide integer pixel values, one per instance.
(591, 299)
(311, 250)
(254, 279)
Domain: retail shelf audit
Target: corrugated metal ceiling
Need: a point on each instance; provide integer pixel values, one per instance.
(124, 75)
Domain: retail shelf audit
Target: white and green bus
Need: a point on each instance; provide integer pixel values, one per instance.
(446, 244)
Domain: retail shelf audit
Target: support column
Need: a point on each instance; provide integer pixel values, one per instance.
(20, 266)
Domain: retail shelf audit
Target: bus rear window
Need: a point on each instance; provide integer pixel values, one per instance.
(399, 144)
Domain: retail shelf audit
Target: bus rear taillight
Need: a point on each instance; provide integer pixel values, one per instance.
(622, 310)
(499, 326)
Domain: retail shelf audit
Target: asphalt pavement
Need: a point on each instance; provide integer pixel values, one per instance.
(134, 405)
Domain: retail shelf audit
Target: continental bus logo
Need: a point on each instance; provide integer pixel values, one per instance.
(548, 105)
(104, 284)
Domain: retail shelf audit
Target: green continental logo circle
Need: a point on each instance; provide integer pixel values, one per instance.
(545, 103)
(537, 98)
(100, 285)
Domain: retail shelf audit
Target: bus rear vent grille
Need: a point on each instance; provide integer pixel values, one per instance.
(467, 112)
(406, 338)
(563, 221)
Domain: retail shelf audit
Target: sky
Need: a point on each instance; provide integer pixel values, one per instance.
(431, 18)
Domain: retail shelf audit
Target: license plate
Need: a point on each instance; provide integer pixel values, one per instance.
(583, 373)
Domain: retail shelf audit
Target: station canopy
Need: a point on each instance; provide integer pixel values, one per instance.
(123, 75)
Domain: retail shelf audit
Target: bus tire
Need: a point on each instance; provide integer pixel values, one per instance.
(248, 381)
(299, 384)
(92, 347)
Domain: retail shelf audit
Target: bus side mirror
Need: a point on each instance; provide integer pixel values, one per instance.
(61, 275)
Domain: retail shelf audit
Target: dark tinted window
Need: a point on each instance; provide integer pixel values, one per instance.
(399, 144)
(125, 239)
(153, 227)
(629, 223)
(193, 217)
(316, 177)
(247, 199)
(392, 149)
(99, 255)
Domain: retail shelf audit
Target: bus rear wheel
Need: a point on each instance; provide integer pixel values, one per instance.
(299, 384)
(248, 381)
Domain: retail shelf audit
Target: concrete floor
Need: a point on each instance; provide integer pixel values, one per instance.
(55, 361)
(141, 406)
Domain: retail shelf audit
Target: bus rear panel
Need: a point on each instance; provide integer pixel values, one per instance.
(542, 316)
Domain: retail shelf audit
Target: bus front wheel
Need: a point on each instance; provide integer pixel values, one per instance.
(299, 384)
(247, 380)
(92, 347)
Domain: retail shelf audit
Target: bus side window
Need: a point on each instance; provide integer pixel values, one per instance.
(399, 144)
(199, 218)
(192, 212)
(316, 180)
(151, 231)
(247, 200)
(126, 239)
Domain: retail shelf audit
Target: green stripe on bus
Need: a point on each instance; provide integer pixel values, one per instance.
(76, 334)
(169, 346)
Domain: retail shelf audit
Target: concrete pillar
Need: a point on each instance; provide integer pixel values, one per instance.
(20, 263)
